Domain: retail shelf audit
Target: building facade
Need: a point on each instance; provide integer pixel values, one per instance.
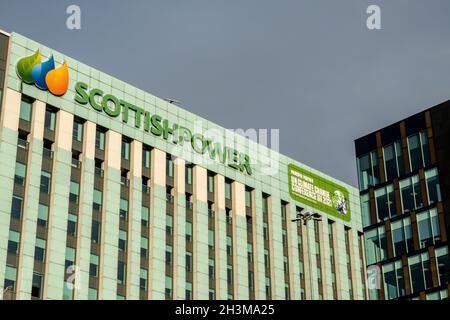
(403, 172)
(108, 192)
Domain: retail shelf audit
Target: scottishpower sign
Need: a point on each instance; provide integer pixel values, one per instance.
(160, 127)
(319, 193)
(45, 76)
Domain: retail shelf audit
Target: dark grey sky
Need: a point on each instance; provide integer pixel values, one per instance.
(310, 68)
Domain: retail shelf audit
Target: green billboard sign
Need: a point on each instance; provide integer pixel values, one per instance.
(318, 193)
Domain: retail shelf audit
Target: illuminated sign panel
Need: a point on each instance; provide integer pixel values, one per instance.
(319, 193)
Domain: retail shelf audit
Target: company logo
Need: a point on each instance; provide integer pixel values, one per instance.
(44, 75)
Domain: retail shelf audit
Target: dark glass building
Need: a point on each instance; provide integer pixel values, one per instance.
(404, 183)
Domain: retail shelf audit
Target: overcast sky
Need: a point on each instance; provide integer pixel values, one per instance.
(310, 68)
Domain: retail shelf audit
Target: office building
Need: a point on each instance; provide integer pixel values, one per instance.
(108, 192)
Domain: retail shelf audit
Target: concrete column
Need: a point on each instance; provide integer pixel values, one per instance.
(110, 218)
(157, 264)
(59, 208)
(179, 235)
(200, 235)
(239, 225)
(30, 206)
(8, 148)
(134, 222)
(220, 261)
(83, 253)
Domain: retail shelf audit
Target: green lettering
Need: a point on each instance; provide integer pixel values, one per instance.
(111, 112)
(196, 137)
(147, 121)
(216, 149)
(156, 125)
(92, 95)
(82, 95)
(233, 157)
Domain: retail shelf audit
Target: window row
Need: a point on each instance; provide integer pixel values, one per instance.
(393, 160)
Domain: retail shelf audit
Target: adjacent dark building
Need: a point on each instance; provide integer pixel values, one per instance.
(404, 182)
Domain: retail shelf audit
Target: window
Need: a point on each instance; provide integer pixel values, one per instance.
(20, 172)
(125, 152)
(70, 257)
(144, 247)
(268, 289)
(67, 293)
(402, 236)
(100, 139)
(72, 224)
(229, 246)
(420, 272)
(365, 210)
(25, 110)
(384, 201)
(16, 207)
(210, 182)
(266, 231)
(286, 265)
(143, 280)
(188, 174)
(248, 198)
(39, 250)
(77, 133)
(93, 265)
(211, 294)
(419, 153)
(168, 254)
(144, 216)
(95, 231)
(367, 170)
(443, 264)
(188, 291)
(10, 278)
(250, 252)
(411, 195)
(92, 294)
(265, 203)
(169, 224)
(188, 231)
(229, 275)
(433, 189)
(251, 280)
(211, 239)
(188, 261)
(42, 215)
(428, 225)
(121, 272)
(227, 190)
(50, 117)
(146, 158)
(74, 191)
(284, 238)
(123, 209)
(36, 288)
(390, 163)
(13, 242)
(169, 167)
(123, 240)
(46, 178)
(97, 200)
(394, 285)
(211, 268)
(168, 288)
(266, 259)
(98, 168)
(376, 245)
